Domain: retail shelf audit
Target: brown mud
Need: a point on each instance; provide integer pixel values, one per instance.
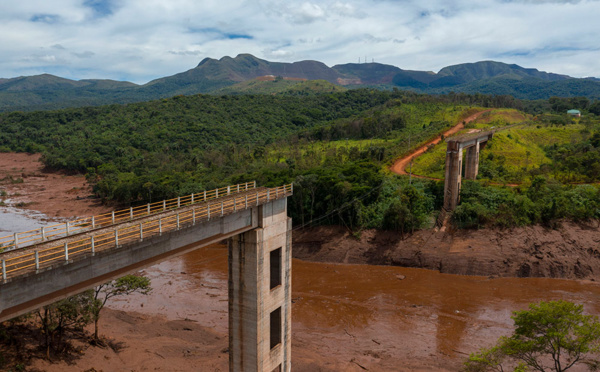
(571, 251)
(55, 194)
(345, 317)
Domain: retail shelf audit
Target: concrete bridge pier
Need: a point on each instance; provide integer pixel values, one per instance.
(453, 179)
(260, 293)
(472, 162)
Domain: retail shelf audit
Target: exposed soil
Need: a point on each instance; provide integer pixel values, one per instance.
(571, 251)
(400, 165)
(55, 194)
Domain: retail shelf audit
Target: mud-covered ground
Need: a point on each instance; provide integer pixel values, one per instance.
(571, 251)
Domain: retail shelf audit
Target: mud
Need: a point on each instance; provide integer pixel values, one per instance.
(55, 194)
(571, 251)
(345, 317)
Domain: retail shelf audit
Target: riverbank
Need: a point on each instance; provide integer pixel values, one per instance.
(571, 251)
(56, 194)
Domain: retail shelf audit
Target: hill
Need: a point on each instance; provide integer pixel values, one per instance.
(224, 76)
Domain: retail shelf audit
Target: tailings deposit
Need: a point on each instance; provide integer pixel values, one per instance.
(349, 317)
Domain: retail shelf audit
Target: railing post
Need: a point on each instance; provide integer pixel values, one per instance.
(246, 186)
(67, 228)
(234, 205)
(113, 217)
(116, 237)
(66, 251)
(254, 182)
(37, 260)
(221, 209)
(3, 270)
(216, 193)
(193, 215)
(177, 221)
(159, 225)
(228, 190)
(204, 195)
(208, 212)
(238, 187)
(178, 201)
(277, 193)
(164, 205)
(141, 232)
(246, 201)
(93, 245)
(93, 222)
(16, 239)
(131, 213)
(268, 196)
(192, 200)
(148, 209)
(257, 198)
(292, 188)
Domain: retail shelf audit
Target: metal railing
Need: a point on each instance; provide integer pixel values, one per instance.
(33, 260)
(57, 231)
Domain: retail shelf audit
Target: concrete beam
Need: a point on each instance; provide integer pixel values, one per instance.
(28, 292)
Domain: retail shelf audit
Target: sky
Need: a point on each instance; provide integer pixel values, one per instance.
(141, 40)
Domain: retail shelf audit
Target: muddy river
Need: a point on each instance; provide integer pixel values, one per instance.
(374, 314)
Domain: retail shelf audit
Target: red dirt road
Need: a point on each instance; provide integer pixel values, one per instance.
(401, 164)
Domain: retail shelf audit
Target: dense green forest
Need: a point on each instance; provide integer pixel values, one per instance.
(335, 147)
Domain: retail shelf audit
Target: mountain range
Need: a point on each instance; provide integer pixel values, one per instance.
(248, 74)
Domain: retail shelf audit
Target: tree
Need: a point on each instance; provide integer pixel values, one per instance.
(120, 287)
(550, 336)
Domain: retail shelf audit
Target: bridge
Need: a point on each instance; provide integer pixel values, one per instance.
(472, 143)
(42, 266)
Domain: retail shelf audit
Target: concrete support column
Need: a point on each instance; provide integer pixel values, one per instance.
(452, 182)
(260, 293)
(472, 162)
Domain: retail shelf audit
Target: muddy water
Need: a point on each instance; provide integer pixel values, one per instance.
(14, 220)
(376, 311)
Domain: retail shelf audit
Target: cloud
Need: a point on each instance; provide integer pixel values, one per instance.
(86, 54)
(45, 18)
(140, 40)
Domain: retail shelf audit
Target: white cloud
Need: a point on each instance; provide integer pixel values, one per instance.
(142, 40)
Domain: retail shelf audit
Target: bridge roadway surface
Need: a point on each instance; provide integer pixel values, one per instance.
(54, 269)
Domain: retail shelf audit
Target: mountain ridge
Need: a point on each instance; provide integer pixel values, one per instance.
(213, 76)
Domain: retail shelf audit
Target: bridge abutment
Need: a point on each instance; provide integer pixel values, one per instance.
(260, 293)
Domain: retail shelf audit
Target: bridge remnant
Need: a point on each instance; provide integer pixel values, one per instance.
(472, 144)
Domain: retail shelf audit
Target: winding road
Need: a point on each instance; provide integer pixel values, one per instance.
(400, 165)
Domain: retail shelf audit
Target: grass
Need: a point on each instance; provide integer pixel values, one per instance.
(514, 149)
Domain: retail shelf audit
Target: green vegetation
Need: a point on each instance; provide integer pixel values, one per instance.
(550, 336)
(336, 148)
(55, 325)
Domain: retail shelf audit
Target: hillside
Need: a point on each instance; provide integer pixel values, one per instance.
(223, 76)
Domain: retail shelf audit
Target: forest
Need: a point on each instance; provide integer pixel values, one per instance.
(335, 147)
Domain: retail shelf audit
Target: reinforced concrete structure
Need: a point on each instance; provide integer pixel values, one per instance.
(255, 222)
(471, 145)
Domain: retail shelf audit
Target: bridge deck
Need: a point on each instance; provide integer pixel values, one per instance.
(136, 227)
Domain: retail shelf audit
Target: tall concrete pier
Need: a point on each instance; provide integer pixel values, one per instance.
(260, 293)
(471, 144)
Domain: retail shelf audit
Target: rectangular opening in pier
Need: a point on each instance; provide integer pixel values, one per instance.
(275, 328)
(275, 268)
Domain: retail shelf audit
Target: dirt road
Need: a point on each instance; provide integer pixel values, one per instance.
(401, 164)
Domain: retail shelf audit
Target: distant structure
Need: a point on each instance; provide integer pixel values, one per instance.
(575, 113)
(472, 144)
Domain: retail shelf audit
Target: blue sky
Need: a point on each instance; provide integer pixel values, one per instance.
(140, 40)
